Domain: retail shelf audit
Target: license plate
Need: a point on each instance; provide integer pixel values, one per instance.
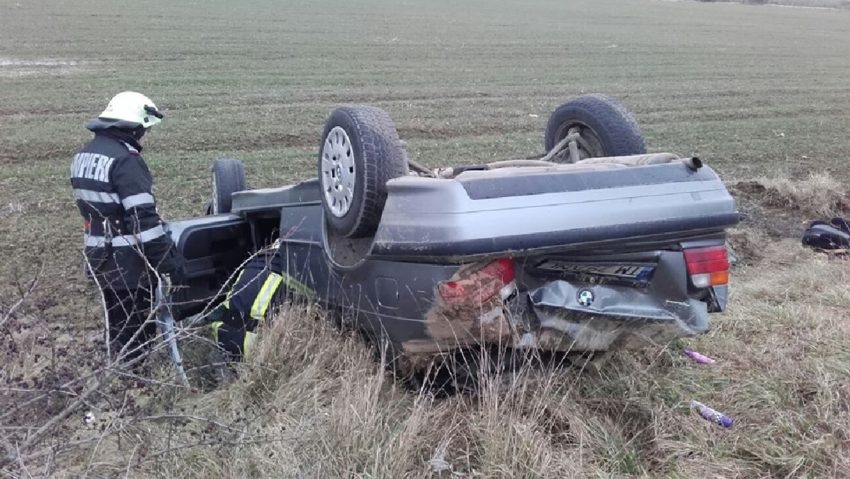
(629, 271)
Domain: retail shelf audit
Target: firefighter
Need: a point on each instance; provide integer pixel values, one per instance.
(125, 241)
(252, 297)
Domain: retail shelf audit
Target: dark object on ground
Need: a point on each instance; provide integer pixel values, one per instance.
(586, 256)
(828, 236)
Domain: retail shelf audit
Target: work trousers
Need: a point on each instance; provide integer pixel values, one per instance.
(130, 323)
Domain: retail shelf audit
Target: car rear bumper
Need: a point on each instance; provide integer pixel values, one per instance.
(599, 318)
(451, 217)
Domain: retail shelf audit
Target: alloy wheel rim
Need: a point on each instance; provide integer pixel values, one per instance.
(338, 171)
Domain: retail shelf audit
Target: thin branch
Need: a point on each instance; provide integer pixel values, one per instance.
(53, 422)
(24, 294)
(130, 461)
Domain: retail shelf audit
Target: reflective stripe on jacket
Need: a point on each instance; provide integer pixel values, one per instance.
(247, 304)
(254, 290)
(123, 231)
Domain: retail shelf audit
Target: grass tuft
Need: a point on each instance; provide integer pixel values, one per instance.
(819, 194)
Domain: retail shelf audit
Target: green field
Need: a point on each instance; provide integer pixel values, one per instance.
(755, 91)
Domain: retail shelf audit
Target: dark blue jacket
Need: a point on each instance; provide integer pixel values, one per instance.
(123, 233)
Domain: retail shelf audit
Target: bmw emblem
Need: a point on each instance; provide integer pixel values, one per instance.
(585, 298)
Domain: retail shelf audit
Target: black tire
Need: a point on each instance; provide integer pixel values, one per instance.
(613, 130)
(378, 156)
(228, 177)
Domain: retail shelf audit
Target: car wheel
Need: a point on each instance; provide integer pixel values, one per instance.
(359, 153)
(603, 125)
(228, 177)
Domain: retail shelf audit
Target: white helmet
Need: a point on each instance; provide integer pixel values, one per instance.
(130, 110)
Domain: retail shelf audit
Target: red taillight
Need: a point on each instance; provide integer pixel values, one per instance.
(708, 266)
(479, 285)
(504, 268)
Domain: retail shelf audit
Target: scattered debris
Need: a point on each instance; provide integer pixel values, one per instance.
(697, 357)
(88, 418)
(710, 414)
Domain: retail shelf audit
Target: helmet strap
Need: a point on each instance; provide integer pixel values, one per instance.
(138, 132)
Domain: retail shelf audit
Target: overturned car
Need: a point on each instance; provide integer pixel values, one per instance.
(595, 245)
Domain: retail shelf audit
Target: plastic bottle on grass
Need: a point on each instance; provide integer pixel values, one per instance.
(710, 414)
(697, 357)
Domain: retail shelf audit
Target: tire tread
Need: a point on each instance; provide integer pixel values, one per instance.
(383, 158)
(229, 178)
(615, 126)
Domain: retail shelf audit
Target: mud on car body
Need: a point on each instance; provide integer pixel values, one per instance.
(594, 246)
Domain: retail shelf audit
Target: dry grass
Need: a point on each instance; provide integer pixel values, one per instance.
(818, 195)
(315, 403)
